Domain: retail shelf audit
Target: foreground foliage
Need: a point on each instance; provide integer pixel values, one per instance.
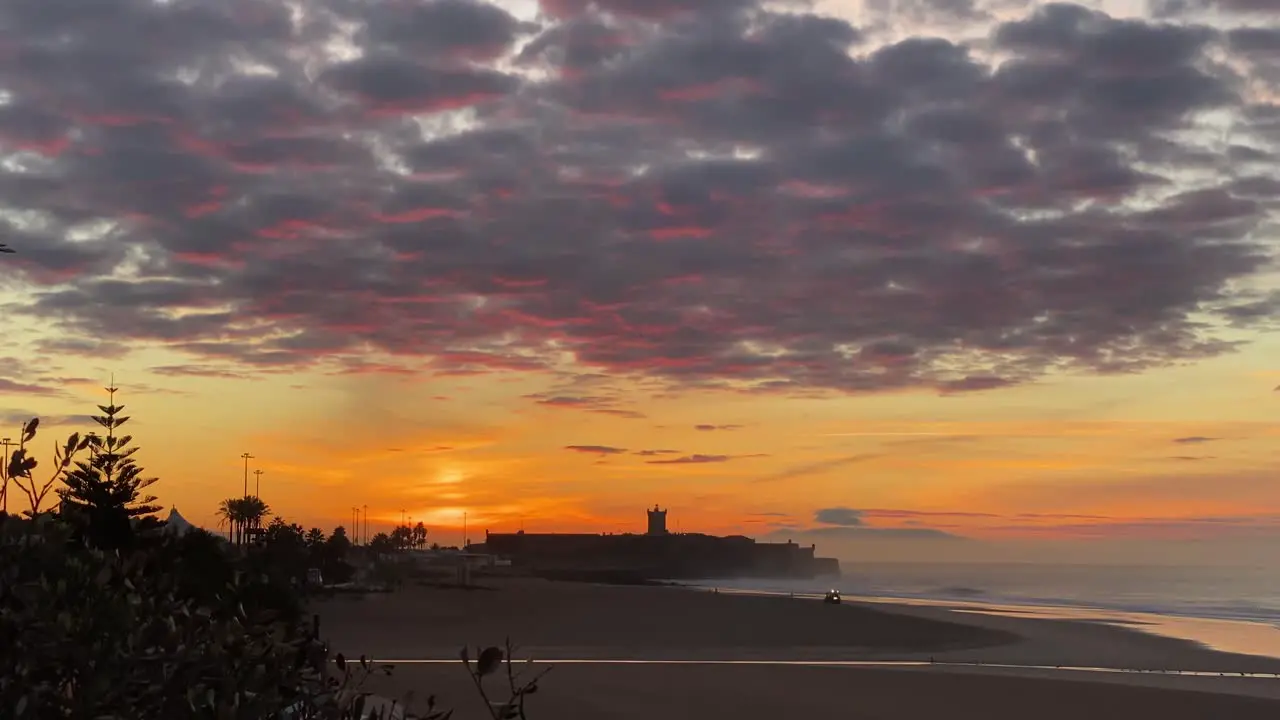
(174, 629)
(106, 613)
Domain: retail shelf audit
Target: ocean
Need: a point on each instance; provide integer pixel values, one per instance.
(1236, 609)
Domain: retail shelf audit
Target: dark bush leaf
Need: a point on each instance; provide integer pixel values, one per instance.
(489, 661)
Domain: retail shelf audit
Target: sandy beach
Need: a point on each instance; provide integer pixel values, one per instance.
(616, 626)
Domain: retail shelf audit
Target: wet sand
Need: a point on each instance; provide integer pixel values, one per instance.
(551, 621)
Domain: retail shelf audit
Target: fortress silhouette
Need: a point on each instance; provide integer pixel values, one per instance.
(658, 554)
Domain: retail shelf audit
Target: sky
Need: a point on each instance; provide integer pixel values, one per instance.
(907, 279)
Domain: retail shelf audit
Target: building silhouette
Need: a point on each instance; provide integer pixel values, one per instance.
(657, 554)
(657, 521)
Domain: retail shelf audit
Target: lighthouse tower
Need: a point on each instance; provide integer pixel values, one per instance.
(657, 521)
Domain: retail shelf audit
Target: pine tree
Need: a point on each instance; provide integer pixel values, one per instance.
(105, 490)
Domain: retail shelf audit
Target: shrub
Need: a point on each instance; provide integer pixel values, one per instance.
(169, 630)
(174, 629)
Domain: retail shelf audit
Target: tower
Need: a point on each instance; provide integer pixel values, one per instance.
(657, 521)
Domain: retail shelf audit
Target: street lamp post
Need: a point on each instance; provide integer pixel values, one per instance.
(4, 472)
(247, 457)
(257, 483)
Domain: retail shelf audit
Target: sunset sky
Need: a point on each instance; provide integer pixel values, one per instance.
(904, 278)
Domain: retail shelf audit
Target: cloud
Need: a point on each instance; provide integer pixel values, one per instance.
(693, 194)
(895, 513)
(855, 532)
(1193, 440)
(596, 449)
(16, 418)
(711, 428)
(589, 403)
(838, 516)
(205, 371)
(13, 387)
(796, 471)
(693, 460)
(652, 453)
(82, 347)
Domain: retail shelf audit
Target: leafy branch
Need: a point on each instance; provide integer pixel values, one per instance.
(22, 465)
(489, 662)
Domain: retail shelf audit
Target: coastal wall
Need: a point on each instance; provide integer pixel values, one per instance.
(673, 556)
(826, 567)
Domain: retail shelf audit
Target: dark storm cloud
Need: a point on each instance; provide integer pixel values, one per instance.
(652, 9)
(703, 194)
(470, 28)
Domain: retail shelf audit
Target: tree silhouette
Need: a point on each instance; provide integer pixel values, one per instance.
(231, 514)
(105, 490)
(242, 514)
(338, 543)
(381, 544)
(401, 537)
(255, 511)
(419, 535)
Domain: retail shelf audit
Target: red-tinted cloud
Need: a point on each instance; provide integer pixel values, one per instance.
(696, 194)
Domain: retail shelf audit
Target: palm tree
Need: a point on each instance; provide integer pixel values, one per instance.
(231, 514)
(255, 511)
(241, 515)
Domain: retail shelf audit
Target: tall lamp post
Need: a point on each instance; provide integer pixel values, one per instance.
(366, 523)
(247, 457)
(4, 472)
(257, 483)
